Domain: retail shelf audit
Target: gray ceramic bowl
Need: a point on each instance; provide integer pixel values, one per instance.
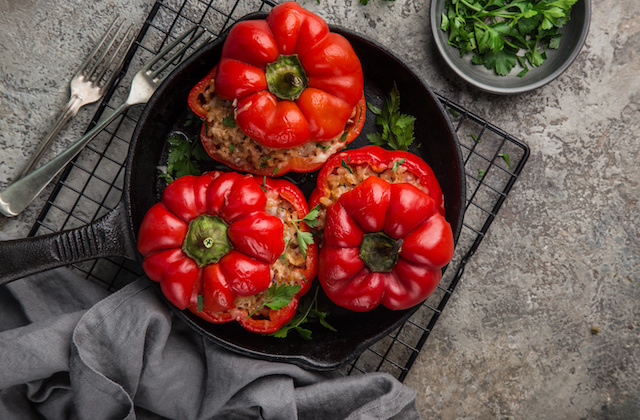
(574, 34)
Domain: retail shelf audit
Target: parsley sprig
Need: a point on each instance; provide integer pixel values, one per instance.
(306, 311)
(183, 157)
(396, 128)
(306, 238)
(501, 33)
(278, 296)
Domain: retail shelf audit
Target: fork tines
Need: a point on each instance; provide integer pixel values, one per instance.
(105, 56)
(195, 33)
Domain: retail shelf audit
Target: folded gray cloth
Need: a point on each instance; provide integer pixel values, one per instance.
(69, 349)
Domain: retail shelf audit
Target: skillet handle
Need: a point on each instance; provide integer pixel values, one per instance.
(108, 236)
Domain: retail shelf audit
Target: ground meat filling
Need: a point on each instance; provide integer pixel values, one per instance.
(287, 268)
(343, 180)
(233, 146)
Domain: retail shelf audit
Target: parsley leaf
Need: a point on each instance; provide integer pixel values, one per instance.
(505, 156)
(322, 317)
(311, 219)
(228, 121)
(294, 324)
(306, 238)
(396, 129)
(183, 157)
(397, 164)
(500, 61)
(346, 166)
(278, 296)
(474, 137)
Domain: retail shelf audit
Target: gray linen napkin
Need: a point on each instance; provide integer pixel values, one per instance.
(68, 350)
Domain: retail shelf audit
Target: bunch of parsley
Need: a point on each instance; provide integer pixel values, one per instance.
(501, 33)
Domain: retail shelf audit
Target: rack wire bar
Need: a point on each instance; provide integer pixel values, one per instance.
(92, 184)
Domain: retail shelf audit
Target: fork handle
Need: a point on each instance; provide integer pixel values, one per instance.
(68, 111)
(19, 194)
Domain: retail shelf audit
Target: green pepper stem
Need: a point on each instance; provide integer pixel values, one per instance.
(286, 77)
(206, 241)
(380, 252)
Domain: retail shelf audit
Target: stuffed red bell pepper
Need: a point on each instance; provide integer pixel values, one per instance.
(286, 94)
(224, 245)
(385, 235)
(349, 168)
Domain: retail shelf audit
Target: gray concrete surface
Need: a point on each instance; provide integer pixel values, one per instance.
(562, 260)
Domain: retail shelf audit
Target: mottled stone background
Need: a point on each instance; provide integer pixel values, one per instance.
(561, 260)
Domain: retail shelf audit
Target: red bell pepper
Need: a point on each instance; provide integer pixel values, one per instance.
(291, 79)
(217, 243)
(296, 162)
(383, 244)
(395, 165)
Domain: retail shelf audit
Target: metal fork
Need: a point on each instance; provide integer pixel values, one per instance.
(95, 76)
(17, 196)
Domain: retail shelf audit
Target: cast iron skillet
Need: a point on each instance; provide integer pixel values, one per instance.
(166, 114)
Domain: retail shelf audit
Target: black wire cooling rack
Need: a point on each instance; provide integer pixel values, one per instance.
(92, 185)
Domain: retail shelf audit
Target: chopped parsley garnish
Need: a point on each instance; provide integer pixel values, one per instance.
(505, 156)
(346, 166)
(501, 33)
(228, 121)
(474, 137)
(397, 164)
